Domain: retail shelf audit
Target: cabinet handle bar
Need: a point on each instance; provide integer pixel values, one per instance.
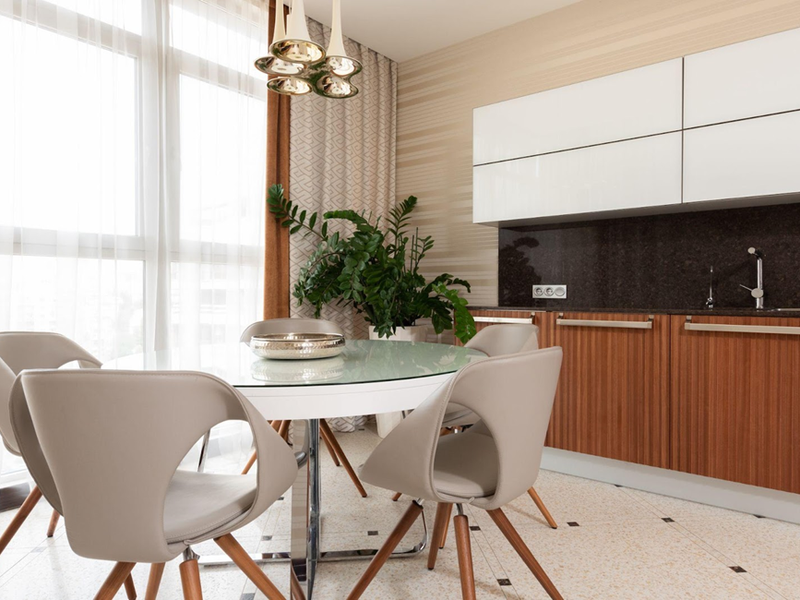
(527, 321)
(722, 328)
(596, 323)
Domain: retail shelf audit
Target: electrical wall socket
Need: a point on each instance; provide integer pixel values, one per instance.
(555, 291)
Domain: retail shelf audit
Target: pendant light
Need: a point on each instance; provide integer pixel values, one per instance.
(271, 64)
(297, 47)
(339, 63)
(300, 65)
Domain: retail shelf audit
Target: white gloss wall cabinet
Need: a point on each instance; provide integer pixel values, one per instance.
(635, 103)
(755, 157)
(748, 79)
(637, 173)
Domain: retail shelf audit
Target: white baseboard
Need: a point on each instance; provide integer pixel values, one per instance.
(706, 490)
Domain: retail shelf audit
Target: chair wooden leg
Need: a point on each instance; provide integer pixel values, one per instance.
(154, 581)
(443, 538)
(283, 430)
(411, 515)
(294, 586)
(253, 572)
(114, 581)
(22, 514)
(542, 508)
(130, 588)
(501, 520)
(249, 464)
(461, 524)
(330, 448)
(326, 429)
(190, 580)
(440, 524)
(51, 529)
(396, 497)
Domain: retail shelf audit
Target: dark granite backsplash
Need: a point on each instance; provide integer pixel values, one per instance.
(655, 262)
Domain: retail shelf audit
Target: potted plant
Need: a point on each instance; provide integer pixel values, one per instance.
(375, 268)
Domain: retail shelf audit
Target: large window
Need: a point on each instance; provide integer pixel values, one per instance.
(132, 155)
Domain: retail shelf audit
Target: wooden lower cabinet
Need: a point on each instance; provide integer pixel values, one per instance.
(718, 403)
(613, 395)
(735, 407)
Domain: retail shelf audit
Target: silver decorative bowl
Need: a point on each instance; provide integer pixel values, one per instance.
(297, 346)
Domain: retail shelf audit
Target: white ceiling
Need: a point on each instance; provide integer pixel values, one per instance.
(403, 29)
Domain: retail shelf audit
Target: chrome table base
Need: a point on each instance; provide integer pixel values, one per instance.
(305, 552)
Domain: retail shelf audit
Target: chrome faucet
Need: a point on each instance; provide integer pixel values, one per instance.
(710, 299)
(758, 291)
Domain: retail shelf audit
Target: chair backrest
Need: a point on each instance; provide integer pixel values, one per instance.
(506, 338)
(513, 396)
(7, 377)
(33, 350)
(289, 325)
(112, 441)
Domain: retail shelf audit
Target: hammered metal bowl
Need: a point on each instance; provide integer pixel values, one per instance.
(297, 346)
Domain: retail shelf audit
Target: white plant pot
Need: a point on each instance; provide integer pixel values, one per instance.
(413, 333)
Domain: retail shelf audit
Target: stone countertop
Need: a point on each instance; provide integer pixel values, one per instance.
(715, 312)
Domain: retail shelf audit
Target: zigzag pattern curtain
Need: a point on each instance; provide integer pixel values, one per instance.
(343, 156)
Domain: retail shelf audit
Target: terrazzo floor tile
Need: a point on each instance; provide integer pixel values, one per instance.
(571, 498)
(768, 550)
(625, 560)
(618, 547)
(666, 506)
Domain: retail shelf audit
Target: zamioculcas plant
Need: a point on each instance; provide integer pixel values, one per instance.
(375, 269)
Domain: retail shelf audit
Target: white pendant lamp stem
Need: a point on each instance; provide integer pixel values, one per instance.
(336, 46)
(279, 33)
(297, 29)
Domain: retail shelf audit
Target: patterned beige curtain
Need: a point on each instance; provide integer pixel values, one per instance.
(342, 155)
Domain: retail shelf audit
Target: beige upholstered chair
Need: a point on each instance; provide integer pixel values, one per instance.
(297, 325)
(31, 350)
(487, 466)
(495, 340)
(104, 446)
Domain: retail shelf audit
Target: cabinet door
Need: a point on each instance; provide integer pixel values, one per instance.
(757, 157)
(749, 79)
(613, 395)
(635, 103)
(736, 402)
(632, 174)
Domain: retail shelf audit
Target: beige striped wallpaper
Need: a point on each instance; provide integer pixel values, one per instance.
(589, 39)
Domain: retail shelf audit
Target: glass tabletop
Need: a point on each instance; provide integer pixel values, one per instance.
(363, 361)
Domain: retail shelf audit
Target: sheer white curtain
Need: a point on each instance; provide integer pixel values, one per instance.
(132, 156)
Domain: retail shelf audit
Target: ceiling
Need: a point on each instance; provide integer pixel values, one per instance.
(403, 29)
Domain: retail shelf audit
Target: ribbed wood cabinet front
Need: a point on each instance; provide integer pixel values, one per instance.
(613, 395)
(736, 400)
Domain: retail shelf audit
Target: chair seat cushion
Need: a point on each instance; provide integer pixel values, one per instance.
(466, 465)
(198, 503)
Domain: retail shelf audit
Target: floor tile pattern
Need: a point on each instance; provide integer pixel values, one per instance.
(612, 543)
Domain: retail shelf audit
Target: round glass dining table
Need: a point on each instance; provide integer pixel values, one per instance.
(368, 377)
